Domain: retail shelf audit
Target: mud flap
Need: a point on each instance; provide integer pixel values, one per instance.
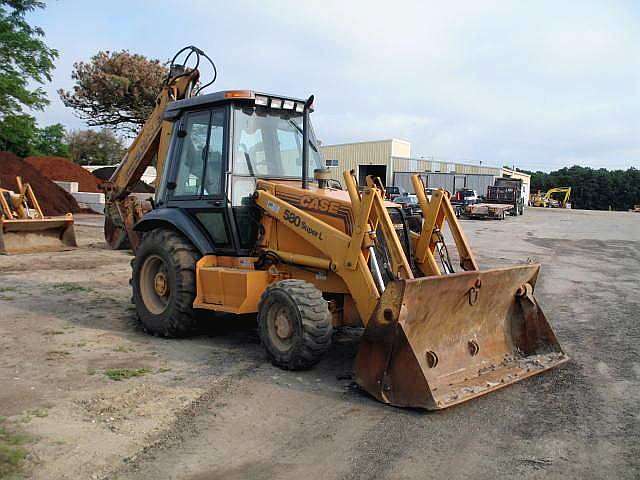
(438, 341)
(37, 235)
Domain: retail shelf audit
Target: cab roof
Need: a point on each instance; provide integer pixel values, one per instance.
(225, 96)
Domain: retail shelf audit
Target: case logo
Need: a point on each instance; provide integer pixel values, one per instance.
(320, 204)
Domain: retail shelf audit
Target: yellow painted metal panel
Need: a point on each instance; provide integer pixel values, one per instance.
(230, 289)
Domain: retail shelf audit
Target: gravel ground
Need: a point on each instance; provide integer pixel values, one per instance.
(211, 407)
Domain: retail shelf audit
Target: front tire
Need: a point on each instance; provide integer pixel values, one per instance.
(164, 283)
(294, 323)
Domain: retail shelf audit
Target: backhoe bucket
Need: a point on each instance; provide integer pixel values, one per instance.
(438, 341)
(37, 235)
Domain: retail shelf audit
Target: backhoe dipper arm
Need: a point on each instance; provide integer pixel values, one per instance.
(153, 139)
(122, 211)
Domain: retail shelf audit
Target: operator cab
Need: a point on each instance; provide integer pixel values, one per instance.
(221, 143)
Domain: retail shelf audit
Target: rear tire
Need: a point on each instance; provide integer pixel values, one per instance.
(164, 283)
(294, 323)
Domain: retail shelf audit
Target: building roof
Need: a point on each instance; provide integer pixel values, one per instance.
(366, 141)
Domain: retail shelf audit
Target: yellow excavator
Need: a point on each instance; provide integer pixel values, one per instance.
(547, 199)
(25, 229)
(246, 220)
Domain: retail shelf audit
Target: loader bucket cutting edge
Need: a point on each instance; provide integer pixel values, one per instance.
(37, 235)
(435, 342)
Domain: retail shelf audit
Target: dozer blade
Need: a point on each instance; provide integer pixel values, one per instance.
(435, 342)
(37, 235)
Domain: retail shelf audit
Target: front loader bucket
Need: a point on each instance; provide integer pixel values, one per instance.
(435, 342)
(37, 235)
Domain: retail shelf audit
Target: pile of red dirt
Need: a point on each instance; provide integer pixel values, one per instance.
(52, 199)
(63, 170)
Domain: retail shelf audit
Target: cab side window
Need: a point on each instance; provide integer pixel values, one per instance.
(192, 156)
(200, 164)
(213, 170)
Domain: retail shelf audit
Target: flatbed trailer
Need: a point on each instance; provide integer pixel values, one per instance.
(496, 211)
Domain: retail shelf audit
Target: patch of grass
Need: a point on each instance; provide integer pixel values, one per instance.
(118, 374)
(163, 370)
(39, 412)
(12, 454)
(7, 298)
(67, 287)
(28, 415)
(8, 289)
(91, 371)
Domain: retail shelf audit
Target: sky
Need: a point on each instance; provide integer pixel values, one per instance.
(536, 84)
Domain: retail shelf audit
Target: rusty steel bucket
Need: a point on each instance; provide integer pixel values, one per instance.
(29, 235)
(438, 341)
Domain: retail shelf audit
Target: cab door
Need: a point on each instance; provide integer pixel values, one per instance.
(198, 177)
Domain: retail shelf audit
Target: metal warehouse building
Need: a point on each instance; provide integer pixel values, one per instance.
(391, 161)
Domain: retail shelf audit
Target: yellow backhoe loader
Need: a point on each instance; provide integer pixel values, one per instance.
(246, 221)
(25, 229)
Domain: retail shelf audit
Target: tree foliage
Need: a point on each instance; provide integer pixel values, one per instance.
(20, 134)
(24, 58)
(115, 90)
(17, 134)
(90, 147)
(593, 189)
(51, 141)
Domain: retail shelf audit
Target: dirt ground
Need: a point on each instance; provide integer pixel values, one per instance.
(93, 397)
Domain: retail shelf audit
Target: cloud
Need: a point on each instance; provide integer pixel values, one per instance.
(537, 84)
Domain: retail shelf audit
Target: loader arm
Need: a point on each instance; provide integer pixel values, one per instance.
(434, 214)
(347, 255)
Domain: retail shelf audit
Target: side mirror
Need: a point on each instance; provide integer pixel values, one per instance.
(171, 185)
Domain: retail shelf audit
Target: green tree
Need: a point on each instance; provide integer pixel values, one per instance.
(20, 134)
(90, 147)
(593, 189)
(24, 59)
(51, 140)
(17, 134)
(115, 90)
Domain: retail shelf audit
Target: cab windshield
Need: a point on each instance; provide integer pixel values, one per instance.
(269, 144)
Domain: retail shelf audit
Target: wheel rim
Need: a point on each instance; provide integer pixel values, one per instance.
(280, 326)
(154, 284)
